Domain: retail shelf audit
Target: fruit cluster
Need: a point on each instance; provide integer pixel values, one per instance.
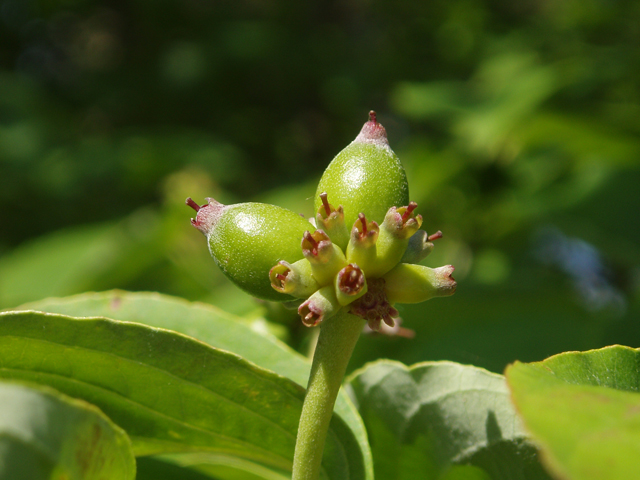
(275, 254)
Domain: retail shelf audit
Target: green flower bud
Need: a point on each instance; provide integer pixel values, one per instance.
(408, 283)
(362, 245)
(322, 304)
(331, 220)
(366, 176)
(350, 284)
(294, 279)
(396, 230)
(326, 259)
(247, 239)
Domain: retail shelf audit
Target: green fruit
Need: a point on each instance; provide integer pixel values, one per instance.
(366, 177)
(247, 239)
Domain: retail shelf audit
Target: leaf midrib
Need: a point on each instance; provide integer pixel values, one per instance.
(156, 412)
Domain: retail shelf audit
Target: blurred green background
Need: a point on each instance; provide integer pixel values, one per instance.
(517, 123)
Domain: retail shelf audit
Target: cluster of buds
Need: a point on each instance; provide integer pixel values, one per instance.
(366, 270)
(362, 255)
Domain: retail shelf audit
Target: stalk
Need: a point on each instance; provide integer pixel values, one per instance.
(338, 336)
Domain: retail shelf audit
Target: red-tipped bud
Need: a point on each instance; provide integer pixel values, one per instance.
(351, 284)
(294, 279)
(402, 222)
(331, 220)
(408, 283)
(398, 226)
(322, 304)
(316, 246)
(362, 244)
(363, 232)
(326, 259)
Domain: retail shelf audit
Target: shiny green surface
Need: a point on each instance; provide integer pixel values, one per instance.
(364, 178)
(250, 238)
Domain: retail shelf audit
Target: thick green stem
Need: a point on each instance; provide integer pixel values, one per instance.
(338, 336)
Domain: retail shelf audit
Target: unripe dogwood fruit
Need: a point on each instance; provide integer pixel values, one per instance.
(247, 239)
(365, 177)
(362, 255)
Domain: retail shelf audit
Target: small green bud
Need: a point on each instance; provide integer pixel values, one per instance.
(350, 284)
(322, 304)
(402, 223)
(396, 230)
(247, 239)
(326, 259)
(408, 283)
(331, 220)
(293, 279)
(366, 176)
(362, 245)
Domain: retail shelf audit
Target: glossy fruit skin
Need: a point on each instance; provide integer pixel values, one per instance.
(364, 178)
(248, 239)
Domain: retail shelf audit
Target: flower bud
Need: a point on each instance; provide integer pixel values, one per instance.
(293, 279)
(322, 304)
(331, 220)
(396, 230)
(366, 176)
(351, 284)
(362, 244)
(326, 259)
(408, 283)
(247, 239)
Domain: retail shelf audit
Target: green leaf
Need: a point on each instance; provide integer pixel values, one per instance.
(584, 410)
(437, 420)
(169, 392)
(221, 467)
(73, 258)
(212, 326)
(47, 435)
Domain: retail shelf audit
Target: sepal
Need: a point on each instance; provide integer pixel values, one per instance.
(295, 279)
(331, 220)
(362, 244)
(326, 259)
(350, 284)
(396, 230)
(322, 304)
(419, 247)
(407, 283)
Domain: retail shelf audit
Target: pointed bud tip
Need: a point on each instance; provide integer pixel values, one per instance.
(207, 214)
(373, 132)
